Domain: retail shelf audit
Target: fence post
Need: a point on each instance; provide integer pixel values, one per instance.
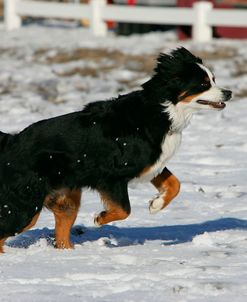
(11, 19)
(201, 31)
(98, 25)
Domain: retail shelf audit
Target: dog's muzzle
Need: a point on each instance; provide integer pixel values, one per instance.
(226, 96)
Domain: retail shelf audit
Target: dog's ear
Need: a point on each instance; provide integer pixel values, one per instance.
(184, 55)
(169, 66)
(171, 71)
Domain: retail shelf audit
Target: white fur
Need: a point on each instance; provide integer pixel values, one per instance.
(156, 204)
(209, 73)
(180, 115)
(214, 94)
(169, 146)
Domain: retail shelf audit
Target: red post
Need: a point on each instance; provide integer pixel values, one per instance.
(131, 2)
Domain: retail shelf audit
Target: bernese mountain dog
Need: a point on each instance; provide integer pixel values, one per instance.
(104, 147)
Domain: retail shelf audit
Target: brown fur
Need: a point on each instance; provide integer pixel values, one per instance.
(1, 245)
(65, 205)
(31, 224)
(112, 212)
(168, 186)
(189, 98)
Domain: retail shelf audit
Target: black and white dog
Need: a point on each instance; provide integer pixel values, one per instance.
(104, 147)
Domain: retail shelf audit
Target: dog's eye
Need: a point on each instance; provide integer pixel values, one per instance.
(205, 84)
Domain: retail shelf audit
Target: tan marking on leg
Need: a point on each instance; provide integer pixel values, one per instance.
(168, 186)
(113, 212)
(2, 244)
(32, 223)
(145, 171)
(64, 204)
(29, 226)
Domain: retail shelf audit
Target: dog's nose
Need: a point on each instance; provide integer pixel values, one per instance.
(227, 94)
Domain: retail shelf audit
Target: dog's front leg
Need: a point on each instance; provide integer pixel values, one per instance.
(168, 186)
(116, 203)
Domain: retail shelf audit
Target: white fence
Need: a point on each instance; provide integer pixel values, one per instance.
(202, 16)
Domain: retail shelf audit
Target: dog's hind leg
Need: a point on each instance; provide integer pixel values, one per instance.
(29, 226)
(2, 244)
(32, 223)
(168, 186)
(65, 205)
(116, 203)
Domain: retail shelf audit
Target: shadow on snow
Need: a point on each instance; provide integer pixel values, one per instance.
(115, 237)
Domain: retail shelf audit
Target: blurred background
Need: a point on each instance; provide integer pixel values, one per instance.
(67, 53)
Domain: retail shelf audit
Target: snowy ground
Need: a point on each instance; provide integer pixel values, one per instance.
(196, 249)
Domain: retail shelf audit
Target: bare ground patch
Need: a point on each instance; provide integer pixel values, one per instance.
(107, 59)
(218, 53)
(103, 62)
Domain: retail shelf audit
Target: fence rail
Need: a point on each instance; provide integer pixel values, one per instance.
(202, 16)
(228, 17)
(53, 10)
(145, 14)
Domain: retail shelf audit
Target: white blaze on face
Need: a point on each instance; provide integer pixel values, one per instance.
(209, 74)
(214, 94)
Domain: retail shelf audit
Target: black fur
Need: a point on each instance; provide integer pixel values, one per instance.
(102, 147)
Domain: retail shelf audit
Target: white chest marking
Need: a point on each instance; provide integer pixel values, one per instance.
(169, 147)
(180, 116)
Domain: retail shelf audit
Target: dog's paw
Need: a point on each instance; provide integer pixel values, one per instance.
(156, 204)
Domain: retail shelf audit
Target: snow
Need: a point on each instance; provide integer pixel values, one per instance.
(195, 249)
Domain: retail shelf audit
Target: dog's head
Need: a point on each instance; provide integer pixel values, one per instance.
(181, 78)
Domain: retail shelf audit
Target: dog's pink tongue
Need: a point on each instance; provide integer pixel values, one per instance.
(219, 105)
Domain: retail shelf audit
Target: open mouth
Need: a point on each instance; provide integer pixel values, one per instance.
(218, 105)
